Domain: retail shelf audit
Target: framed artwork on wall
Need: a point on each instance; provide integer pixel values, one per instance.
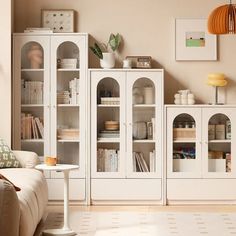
(60, 21)
(193, 42)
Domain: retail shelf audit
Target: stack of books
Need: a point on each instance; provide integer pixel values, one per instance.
(38, 30)
(63, 97)
(31, 127)
(31, 92)
(74, 86)
(110, 100)
(108, 160)
(109, 134)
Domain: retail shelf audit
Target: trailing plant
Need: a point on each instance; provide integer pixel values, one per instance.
(113, 43)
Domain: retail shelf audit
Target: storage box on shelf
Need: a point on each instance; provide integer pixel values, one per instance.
(202, 157)
(130, 155)
(49, 103)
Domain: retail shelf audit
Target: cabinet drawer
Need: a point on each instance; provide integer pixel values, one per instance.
(56, 189)
(126, 189)
(201, 189)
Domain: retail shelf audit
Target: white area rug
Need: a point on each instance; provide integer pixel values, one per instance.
(147, 223)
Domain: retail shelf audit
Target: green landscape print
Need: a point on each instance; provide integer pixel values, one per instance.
(195, 39)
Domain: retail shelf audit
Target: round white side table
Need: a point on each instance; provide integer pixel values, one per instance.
(66, 230)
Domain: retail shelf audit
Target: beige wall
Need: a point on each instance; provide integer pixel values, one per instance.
(147, 28)
(5, 70)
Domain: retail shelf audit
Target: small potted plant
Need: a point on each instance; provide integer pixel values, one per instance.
(107, 59)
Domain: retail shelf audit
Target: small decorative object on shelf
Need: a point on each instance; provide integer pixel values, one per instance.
(141, 62)
(107, 59)
(67, 63)
(127, 64)
(228, 129)
(38, 30)
(217, 80)
(140, 130)
(50, 161)
(184, 97)
(69, 134)
(137, 96)
(148, 95)
(35, 56)
(111, 125)
(60, 21)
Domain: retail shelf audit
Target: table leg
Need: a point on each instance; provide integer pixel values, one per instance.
(65, 231)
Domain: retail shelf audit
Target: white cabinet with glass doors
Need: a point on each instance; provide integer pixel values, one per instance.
(126, 135)
(200, 153)
(50, 103)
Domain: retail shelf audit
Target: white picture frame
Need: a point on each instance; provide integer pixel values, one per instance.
(193, 42)
(60, 21)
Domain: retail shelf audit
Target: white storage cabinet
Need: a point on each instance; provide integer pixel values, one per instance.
(42, 90)
(200, 153)
(126, 164)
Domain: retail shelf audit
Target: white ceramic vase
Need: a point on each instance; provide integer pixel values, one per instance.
(108, 60)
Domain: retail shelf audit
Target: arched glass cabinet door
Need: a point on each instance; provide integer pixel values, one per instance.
(184, 142)
(218, 142)
(31, 104)
(68, 102)
(144, 125)
(107, 130)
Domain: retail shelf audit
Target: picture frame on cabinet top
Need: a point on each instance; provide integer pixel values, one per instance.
(193, 42)
(59, 20)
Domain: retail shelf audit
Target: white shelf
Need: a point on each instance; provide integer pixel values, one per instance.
(143, 105)
(144, 141)
(32, 105)
(112, 105)
(60, 69)
(68, 105)
(68, 140)
(32, 70)
(185, 141)
(108, 140)
(220, 141)
(32, 140)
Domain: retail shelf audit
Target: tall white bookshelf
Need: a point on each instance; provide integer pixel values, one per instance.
(126, 162)
(57, 63)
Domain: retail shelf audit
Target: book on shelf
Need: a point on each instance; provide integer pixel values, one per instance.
(38, 30)
(139, 162)
(152, 161)
(31, 127)
(108, 160)
(31, 92)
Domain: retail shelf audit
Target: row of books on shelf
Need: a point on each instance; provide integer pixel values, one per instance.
(141, 165)
(70, 96)
(31, 127)
(184, 153)
(31, 92)
(108, 160)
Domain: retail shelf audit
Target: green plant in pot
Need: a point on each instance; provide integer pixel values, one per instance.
(107, 59)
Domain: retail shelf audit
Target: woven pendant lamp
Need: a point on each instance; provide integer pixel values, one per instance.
(222, 20)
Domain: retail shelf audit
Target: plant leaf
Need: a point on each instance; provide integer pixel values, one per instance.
(114, 41)
(96, 50)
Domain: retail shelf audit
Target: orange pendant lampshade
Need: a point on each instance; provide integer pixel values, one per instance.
(222, 20)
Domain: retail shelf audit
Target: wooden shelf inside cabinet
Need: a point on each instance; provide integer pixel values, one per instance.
(32, 105)
(220, 141)
(68, 105)
(144, 105)
(184, 141)
(32, 70)
(144, 141)
(68, 140)
(108, 105)
(60, 69)
(108, 140)
(32, 140)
